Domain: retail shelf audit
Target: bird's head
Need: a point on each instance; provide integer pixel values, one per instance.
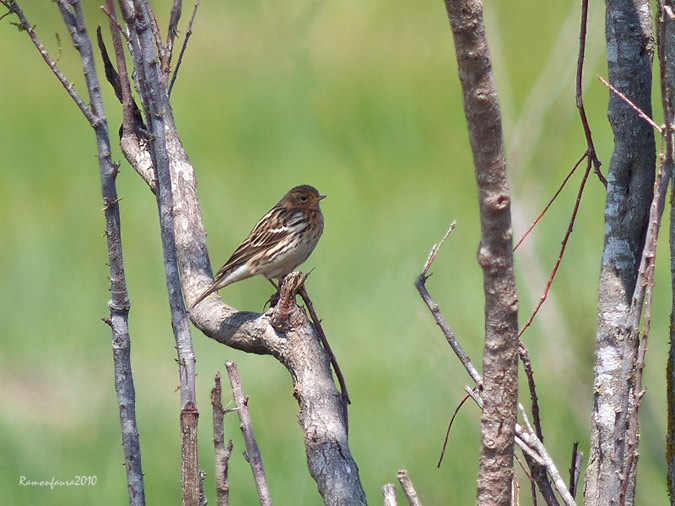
(302, 197)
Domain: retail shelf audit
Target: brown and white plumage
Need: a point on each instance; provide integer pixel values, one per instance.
(281, 241)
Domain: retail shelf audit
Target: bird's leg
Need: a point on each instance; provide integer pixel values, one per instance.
(274, 298)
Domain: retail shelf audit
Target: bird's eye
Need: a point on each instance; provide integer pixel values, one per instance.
(303, 197)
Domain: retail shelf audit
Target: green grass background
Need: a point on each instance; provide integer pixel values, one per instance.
(360, 99)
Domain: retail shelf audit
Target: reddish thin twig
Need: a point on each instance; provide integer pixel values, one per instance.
(590, 149)
(447, 432)
(550, 202)
(324, 342)
(562, 249)
(630, 104)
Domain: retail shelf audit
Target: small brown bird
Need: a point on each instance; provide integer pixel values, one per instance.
(282, 240)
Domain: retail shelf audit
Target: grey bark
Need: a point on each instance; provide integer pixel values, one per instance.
(118, 304)
(667, 57)
(495, 255)
(119, 298)
(610, 476)
(321, 415)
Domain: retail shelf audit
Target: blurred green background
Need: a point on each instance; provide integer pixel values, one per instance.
(361, 100)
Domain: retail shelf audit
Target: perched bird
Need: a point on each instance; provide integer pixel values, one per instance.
(283, 239)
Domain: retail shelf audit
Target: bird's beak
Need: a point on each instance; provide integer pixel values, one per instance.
(321, 197)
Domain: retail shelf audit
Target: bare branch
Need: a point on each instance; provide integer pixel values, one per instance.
(389, 493)
(570, 227)
(590, 146)
(575, 469)
(550, 202)
(188, 34)
(447, 432)
(119, 301)
(14, 8)
(528, 443)
(408, 488)
(176, 11)
(495, 253)
(420, 284)
(630, 103)
(222, 453)
(531, 439)
(326, 346)
(252, 450)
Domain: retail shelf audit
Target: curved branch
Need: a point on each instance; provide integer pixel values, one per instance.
(298, 348)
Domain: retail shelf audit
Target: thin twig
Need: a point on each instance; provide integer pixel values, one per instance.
(550, 202)
(14, 8)
(527, 367)
(420, 284)
(252, 450)
(119, 301)
(447, 432)
(528, 443)
(630, 104)
(575, 469)
(222, 453)
(324, 342)
(590, 146)
(573, 218)
(531, 439)
(188, 34)
(172, 31)
(408, 488)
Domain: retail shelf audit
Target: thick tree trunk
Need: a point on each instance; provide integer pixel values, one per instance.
(610, 477)
(495, 253)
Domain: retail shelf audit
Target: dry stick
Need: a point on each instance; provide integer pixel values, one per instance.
(573, 218)
(252, 450)
(528, 443)
(119, 300)
(188, 34)
(14, 8)
(172, 31)
(222, 453)
(575, 468)
(527, 367)
(545, 488)
(642, 296)
(389, 493)
(447, 432)
(420, 284)
(538, 471)
(324, 342)
(119, 304)
(133, 131)
(408, 488)
(130, 112)
(639, 111)
(590, 149)
(151, 87)
(531, 438)
(550, 202)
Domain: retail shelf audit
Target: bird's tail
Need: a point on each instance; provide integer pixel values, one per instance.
(214, 287)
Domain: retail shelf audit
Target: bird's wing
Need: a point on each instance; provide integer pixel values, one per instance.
(272, 229)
